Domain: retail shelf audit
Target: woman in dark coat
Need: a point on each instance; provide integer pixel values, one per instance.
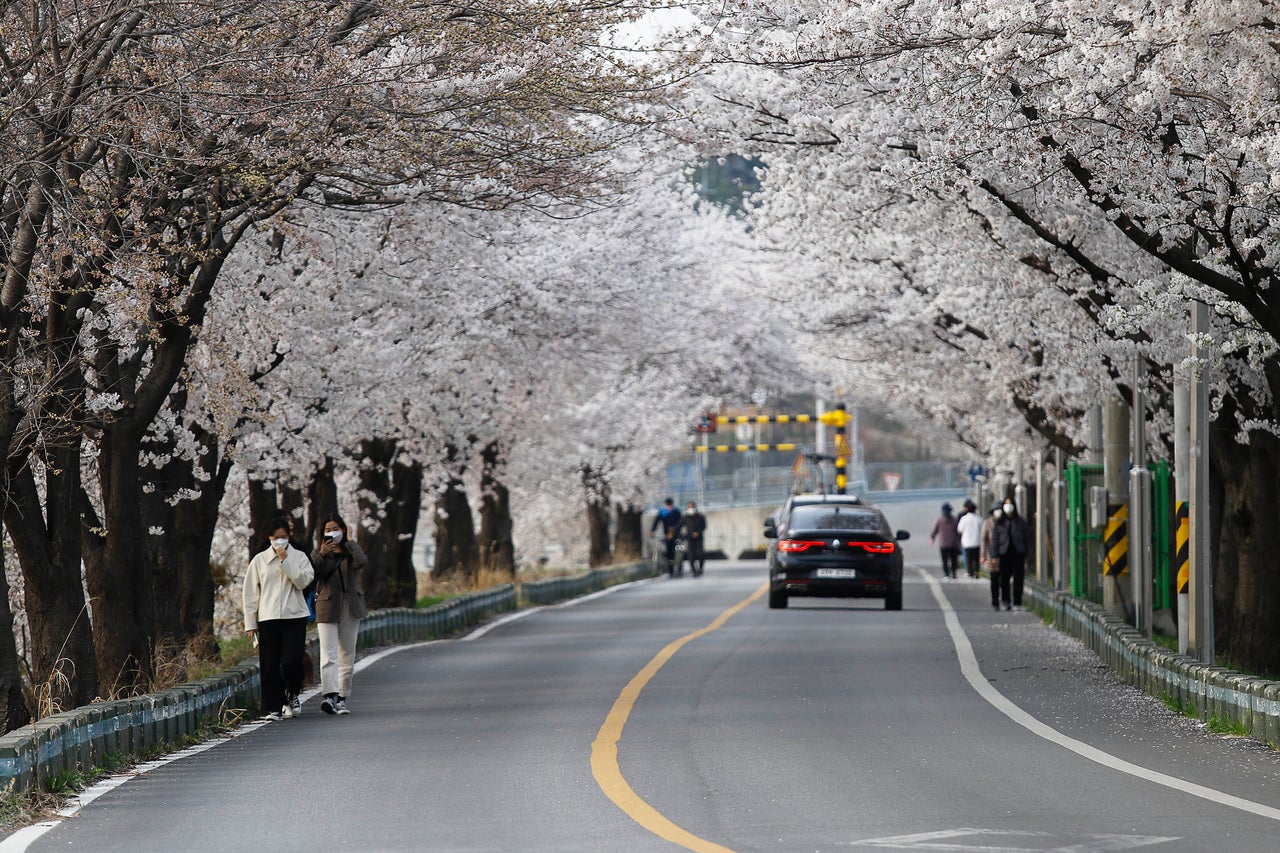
(339, 607)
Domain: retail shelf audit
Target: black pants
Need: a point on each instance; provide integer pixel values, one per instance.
(695, 554)
(950, 561)
(971, 561)
(281, 643)
(1013, 569)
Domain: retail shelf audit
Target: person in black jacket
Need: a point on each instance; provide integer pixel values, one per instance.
(669, 517)
(339, 608)
(693, 529)
(1012, 541)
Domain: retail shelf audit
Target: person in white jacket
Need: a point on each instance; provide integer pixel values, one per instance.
(275, 615)
(970, 525)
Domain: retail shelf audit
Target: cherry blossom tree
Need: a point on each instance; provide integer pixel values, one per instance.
(147, 141)
(1129, 150)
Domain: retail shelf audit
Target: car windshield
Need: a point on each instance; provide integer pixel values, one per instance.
(835, 518)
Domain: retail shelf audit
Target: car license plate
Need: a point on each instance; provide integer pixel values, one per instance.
(836, 573)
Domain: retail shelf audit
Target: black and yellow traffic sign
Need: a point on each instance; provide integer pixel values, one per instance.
(1115, 541)
(1182, 549)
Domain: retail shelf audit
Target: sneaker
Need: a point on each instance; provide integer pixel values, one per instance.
(341, 705)
(272, 717)
(286, 711)
(328, 705)
(295, 705)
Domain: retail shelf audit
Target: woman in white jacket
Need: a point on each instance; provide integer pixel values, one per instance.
(275, 615)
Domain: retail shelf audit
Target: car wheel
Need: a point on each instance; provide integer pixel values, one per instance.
(893, 601)
(777, 599)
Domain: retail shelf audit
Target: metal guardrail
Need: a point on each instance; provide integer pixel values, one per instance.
(1208, 691)
(82, 738)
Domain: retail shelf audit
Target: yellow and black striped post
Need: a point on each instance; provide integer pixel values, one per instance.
(842, 459)
(742, 448)
(1182, 551)
(1115, 541)
(765, 419)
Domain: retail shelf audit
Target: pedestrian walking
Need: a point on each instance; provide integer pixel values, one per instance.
(969, 523)
(283, 518)
(669, 517)
(339, 608)
(947, 537)
(987, 555)
(1012, 544)
(275, 615)
(694, 528)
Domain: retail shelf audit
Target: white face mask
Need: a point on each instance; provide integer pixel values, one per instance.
(996, 513)
(334, 535)
(1008, 509)
(691, 511)
(279, 544)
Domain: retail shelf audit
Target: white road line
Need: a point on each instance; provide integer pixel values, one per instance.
(973, 674)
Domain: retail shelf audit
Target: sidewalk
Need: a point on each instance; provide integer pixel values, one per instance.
(1061, 682)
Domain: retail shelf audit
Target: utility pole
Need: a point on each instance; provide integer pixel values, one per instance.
(1141, 556)
(1182, 500)
(1201, 586)
(1041, 521)
(1061, 547)
(1115, 539)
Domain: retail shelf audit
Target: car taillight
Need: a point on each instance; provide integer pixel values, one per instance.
(795, 546)
(878, 547)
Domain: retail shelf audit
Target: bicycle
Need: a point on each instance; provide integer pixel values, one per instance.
(658, 556)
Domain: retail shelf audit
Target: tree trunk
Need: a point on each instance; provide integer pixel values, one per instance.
(375, 489)
(322, 501)
(1246, 538)
(183, 584)
(402, 529)
(597, 493)
(118, 569)
(457, 552)
(627, 544)
(13, 707)
(57, 612)
(294, 503)
(263, 503)
(197, 521)
(497, 544)
(391, 498)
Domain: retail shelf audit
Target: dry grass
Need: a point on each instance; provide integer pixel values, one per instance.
(446, 588)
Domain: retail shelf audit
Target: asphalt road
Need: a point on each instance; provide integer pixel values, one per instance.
(831, 725)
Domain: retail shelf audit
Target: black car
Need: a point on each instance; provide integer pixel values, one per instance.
(833, 548)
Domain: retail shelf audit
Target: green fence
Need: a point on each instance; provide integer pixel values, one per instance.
(1085, 542)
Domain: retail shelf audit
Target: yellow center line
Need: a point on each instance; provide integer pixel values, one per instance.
(604, 750)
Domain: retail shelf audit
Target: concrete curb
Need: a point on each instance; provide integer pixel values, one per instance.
(80, 739)
(1208, 692)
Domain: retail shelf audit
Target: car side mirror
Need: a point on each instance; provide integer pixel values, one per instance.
(770, 531)
(902, 534)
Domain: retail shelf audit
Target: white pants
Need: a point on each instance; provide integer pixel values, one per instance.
(338, 652)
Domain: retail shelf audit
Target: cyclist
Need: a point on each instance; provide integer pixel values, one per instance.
(669, 517)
